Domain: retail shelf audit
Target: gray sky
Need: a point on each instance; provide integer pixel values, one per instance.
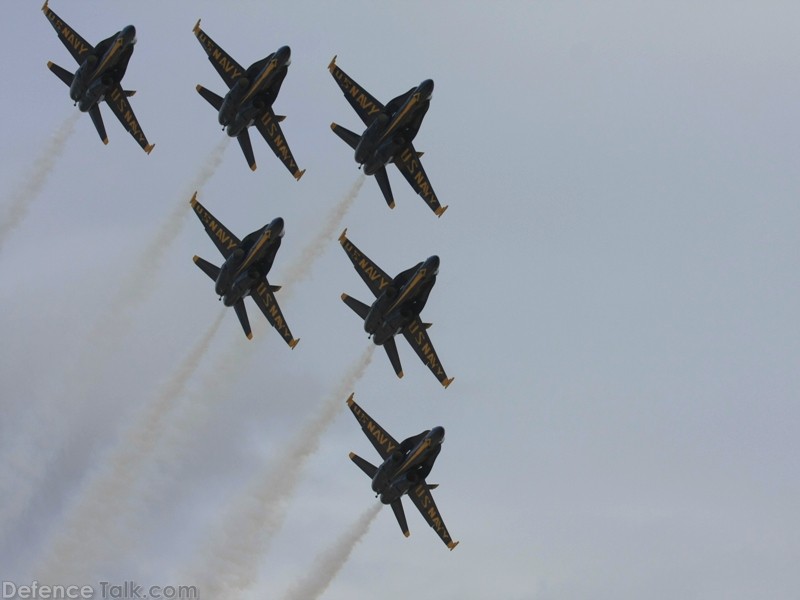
(617, 298)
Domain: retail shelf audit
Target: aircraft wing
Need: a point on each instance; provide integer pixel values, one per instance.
(360, 99)
(223, 239)
(117, 101)
(269, 126)
(265, 299)
(417, 336)
(421, 497)
(384, 443)
(227, 68)
(411, 167)
(73, 42)
(371, 273)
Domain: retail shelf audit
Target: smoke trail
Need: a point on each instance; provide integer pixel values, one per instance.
(301, 268)
(91, 530)
(35, 180)
(39, 441)
(232, 558)
(328, 564)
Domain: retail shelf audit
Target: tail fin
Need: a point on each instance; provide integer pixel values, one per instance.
(394, 358)
(241, 312)
(364, 465)
(361, 309)
(386, 188)
(211, 97)
(207, 268)
(399, 513)
(97, 119)
(61, 73)
(247, 148)
(348, 136)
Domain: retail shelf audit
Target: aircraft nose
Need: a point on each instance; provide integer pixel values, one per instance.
(426, 88)
(437, 434)
(129, 34)
(432, 263)
(277, 225)
(283, 55)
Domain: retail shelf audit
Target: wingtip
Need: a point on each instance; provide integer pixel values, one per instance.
(249, 335)
(447, 382)
(440, 211)
(333, 126)
(407, 533)
(149, 148)
(50, 64)
(293, 343)
(195, 258)
(351, 455)
(350, 402)
(44, 6)
(343, 236)
(391, 204)
(331, 65)
(196, 28)
(105, 141)
(399, 374)
(299, 174)
(452, 545)
(193, 201)
(198, 87)
(344, 297)
(253, 167)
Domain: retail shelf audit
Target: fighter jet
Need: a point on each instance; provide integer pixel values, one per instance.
(249, 99)
(388, 136)
(99, 75)
(396, 309)
(244, 272)
(403, 471)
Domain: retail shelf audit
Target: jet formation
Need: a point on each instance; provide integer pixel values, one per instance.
(244, 272)
(388, 138)
(403, 470)
(99, 76)
(251, 93)
(398, 303)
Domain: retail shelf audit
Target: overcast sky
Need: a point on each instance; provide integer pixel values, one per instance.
(617, 301)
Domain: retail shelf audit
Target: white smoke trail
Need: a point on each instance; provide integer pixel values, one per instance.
(39, 440)
(91, 530)
(328, 564)
(231, 561)
(301, 268)
(22, 198)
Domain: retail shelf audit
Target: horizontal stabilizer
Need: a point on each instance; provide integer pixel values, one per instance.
(348, 136)
(386, 188)
(247, 148)
(391, 351)
(361, 309)
(211, 270)
(212, 98)
(364, 465)
(399, 513)
(61, 73)
(97, 119)
(241, 312)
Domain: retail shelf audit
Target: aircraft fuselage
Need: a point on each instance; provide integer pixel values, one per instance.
(254, 92)
(102, 69)
(393, 129)
(250, 262)
(407, 465)
(402, 301)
